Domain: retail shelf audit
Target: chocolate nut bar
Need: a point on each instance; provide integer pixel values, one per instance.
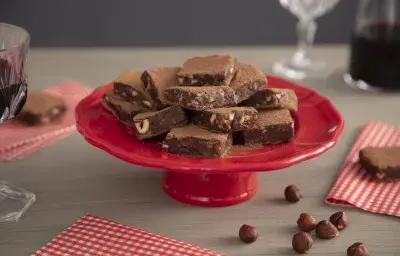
(41, 108)
(210, 70)
(225, 120)
(273, 98)
(156, 80)
(273, 126)
(247, 81)
(130, 86)
(201, 97)
(151, 124)
(191, 140)
(382, 163)
(122, 109)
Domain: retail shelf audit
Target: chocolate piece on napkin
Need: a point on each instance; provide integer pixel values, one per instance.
(383, 163)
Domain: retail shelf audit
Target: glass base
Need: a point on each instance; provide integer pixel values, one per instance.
(14, 201)
(300, 70)
(360, 84)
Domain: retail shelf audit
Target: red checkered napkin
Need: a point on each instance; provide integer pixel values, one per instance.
(18, 141)
(355, 187)
(96, 236)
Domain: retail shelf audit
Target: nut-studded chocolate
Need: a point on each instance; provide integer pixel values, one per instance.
(130, 86)
(382, 163)
(225, 120)
(273, 98)
(151, 124)
(210, 70)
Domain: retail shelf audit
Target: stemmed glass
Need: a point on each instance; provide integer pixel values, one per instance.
(301, 65)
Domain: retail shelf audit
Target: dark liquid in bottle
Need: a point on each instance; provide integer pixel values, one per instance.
(375, 56)
(12, 94)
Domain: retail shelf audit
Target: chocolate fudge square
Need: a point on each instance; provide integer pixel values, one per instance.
(201, 97)
(191, 140)
(273, 98)
(247, 81)
(41, 108)
(156, 80)
(130, 86)
(225, 120)
(272, 126)
(382, 163)
(210, 70)
(152, 124)
(122, 109)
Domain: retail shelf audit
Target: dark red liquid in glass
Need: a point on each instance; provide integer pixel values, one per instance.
(12, 94)
(375, 56)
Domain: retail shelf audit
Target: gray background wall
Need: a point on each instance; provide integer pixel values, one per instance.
(120, 23)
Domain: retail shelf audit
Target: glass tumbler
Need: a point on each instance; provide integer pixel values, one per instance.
(14, 47)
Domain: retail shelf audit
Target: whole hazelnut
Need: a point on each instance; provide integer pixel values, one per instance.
(326, 230)
(293, 193)
(357, 249)
(248, 234)
(340, 220)
(306, 222)
(302, 242)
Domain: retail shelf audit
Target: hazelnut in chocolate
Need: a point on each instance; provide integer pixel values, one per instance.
(201, 97)
(41, 108)
(247, 81)
(152, 124)
(273, 98)
(272, 126)
(191, 140)
(156, 80)
(122, 109)
(130, 86)
(210, 70)
(225, 120)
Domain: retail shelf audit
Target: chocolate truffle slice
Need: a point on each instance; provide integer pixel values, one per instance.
(41, 108)
(209, 70)
(122, 109)
(129, 86)
(156, 80)
(272, 126)
(247, 81)
(201, 97)
(273, 98)
(382, 163)
(152, 124)
(191, 140)
(225, 120)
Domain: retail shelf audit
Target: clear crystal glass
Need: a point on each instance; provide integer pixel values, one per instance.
(14, 201)
(14, 46)
(301, 65)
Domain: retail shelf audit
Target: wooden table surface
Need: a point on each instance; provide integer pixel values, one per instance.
(72, 178)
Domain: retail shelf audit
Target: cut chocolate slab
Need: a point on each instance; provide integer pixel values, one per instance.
(156, 80)
(272, 126)
(130, 86)
(273, 98)
(209, 70)
(247, 81)
(225, 120)
(152, 124)
(201, 98)
(382, 163)
(122, 109)
(191, 140)
(41, 108)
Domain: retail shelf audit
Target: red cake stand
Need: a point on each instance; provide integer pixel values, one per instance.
(219, 181)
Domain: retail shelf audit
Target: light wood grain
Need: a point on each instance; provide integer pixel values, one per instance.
(72, 177)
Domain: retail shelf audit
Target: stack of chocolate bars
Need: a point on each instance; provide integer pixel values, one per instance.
(202, 105)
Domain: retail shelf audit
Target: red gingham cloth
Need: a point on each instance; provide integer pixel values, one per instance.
(18, 141)
(355, 187)
(94, 236)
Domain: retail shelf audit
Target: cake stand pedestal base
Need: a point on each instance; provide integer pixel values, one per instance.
(210, 190)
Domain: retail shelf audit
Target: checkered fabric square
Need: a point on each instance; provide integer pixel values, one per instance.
(94, 236)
